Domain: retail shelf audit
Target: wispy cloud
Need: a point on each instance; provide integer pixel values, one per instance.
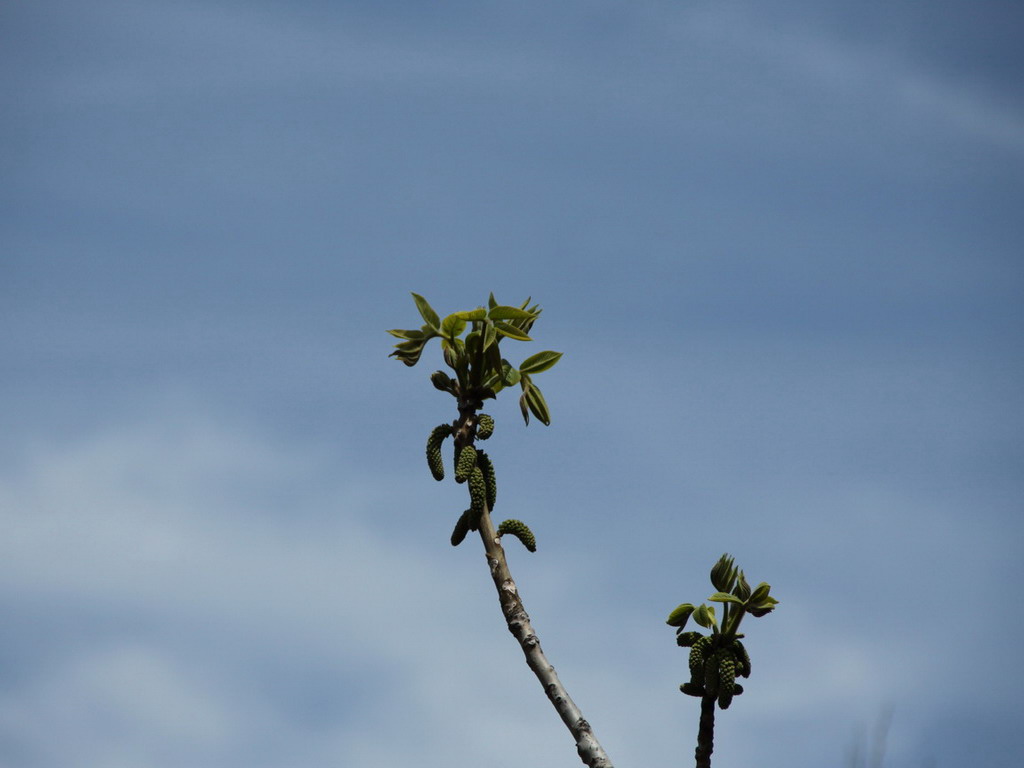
(877, 75)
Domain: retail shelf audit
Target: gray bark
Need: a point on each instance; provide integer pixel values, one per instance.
(587, 745)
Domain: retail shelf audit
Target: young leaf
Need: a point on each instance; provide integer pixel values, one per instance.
(537, 404)
(509, 375)
(453, 326)
(680, 615)
(509, 313)
(759, 593)
(473, 314)
(410, 335)
(490, 335)
(724, 573)
(724, 597)
(526, 325)
(523, 407)
(705, 616)
(491, 301)
(409, 352)
(473, 344)
(542, 361)
(506, 329)
(492, 360)
(427, 312)
(742, 588)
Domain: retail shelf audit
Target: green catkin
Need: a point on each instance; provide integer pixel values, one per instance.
(477, 490)
(687, 639)
(726, 677)
(712, 666)
(521, 531)
(484, 461)
(466, 463)
(434, 461)
(461, 528)
(484, 426)
(742, 659)
(697, 653)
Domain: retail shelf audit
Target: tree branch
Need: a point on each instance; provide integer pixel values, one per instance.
(587, 745)
(706, 734)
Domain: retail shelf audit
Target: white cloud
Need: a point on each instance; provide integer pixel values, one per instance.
(120, 705)
(137, 528)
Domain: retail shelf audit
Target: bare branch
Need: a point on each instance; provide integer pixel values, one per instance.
(590, 750)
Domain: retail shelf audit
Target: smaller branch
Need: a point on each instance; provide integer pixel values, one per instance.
(590, 750)
(587, 746)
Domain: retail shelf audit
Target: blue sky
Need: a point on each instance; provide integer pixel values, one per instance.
(779, 245)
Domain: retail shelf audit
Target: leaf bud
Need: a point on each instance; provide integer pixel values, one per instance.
(760, 603)
(742, 589)
(723, 573)
(441, 381)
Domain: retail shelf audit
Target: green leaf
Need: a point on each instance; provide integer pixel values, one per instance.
(526, 325)
(524, 408)
(537, 404)
(511, 331)
(724, 597)
(473, 314)
(542, 361)
(427, 312)
(723, 574)
(742, 589)
(410, 346)
(492, 361)
(455, 356)
(411, 335)
(509, 313)
(760, 602)
(453, 326)
(705, 616)
(490, 335)
(473, 345)
(409, 351)
(680, 615)
(759, 593)
(762, 608)
(491, 301)
(509, 375)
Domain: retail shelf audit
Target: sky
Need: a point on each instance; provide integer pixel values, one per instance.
(779, 244)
